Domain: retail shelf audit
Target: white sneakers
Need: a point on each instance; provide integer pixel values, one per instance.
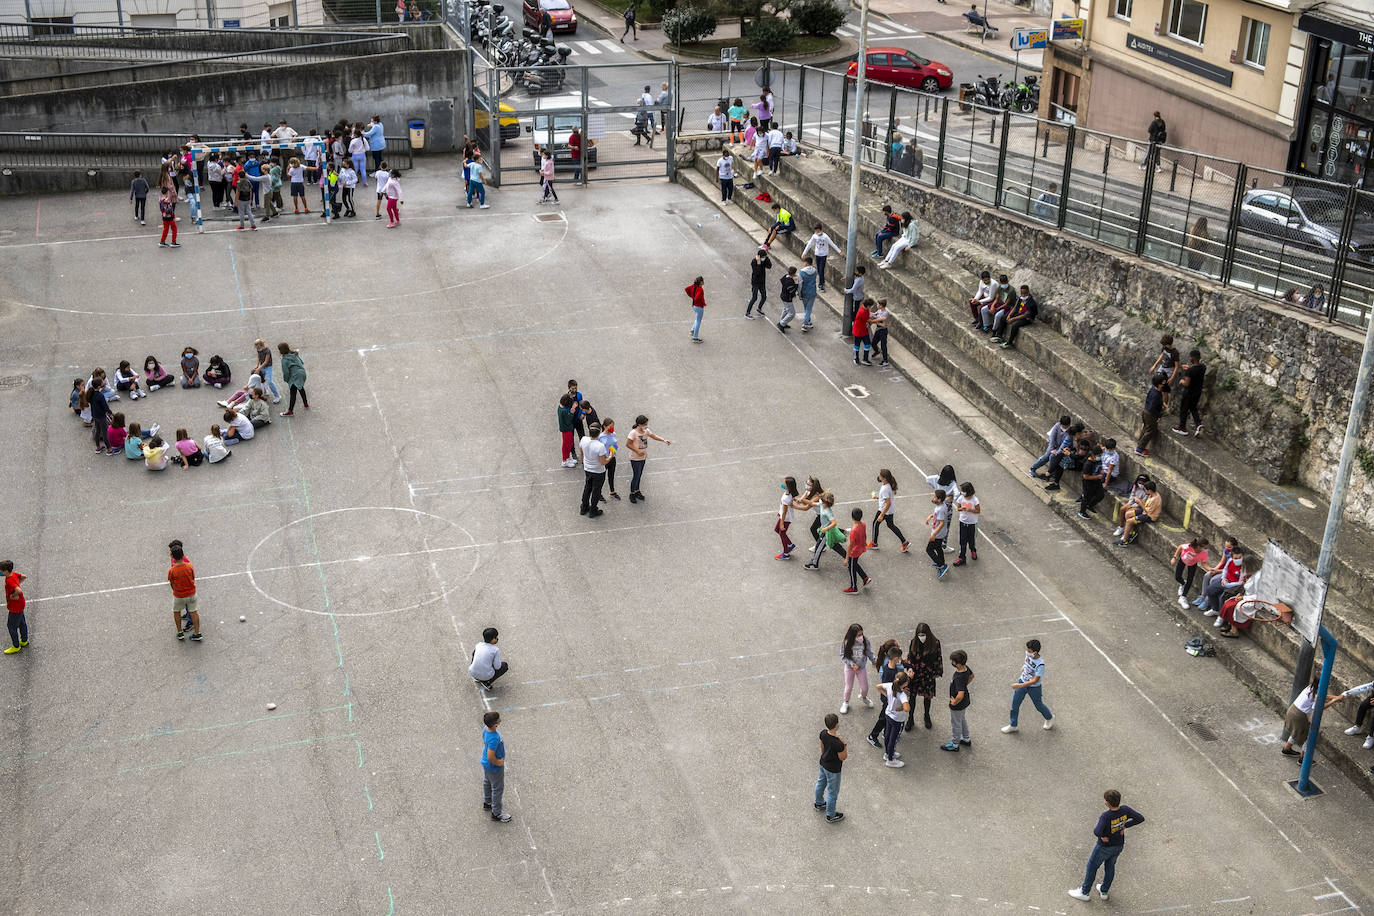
(1116, 534)
(1101, 892)
(1354, 730)
(1218, 622)
(1182, 602)
(1008, 729)
(867, 702)
(570, 463)
(1209, 613)
(844, 707)
(1369, 742)
(1078, 894)
(895, 764)
(1049, 724)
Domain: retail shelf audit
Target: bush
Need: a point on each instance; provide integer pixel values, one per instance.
(817, 17)
(659, 8)
(770, 34)
(687, 24)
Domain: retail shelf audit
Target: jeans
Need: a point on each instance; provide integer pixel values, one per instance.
(789, 311)
(479, 189)
(1013, 329)
(140, 208)
(591, 490)
(756, 291)
(827, 789)
(774, 158)
(493, 787)
(246, 212)
(808, 303)
(377, 155)
(892, 730)
(1149, 429)
(636, 472)
(270, 385)
(820, 271)
(18, 627)
(958, 725)
(1020, 694)
(360, 166)
(698, 312)
(878, 241)
(1043, 459)
(1104, 856)
(727, 191)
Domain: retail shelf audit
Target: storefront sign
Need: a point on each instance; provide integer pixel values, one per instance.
(1067, 30)
(1029, 39)
(1358, 38)
(1175, 59)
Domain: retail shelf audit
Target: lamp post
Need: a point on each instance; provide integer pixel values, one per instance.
(856, 152)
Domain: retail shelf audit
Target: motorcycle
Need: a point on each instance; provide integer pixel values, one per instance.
(987, 92)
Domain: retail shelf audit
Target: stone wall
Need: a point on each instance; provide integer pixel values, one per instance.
(1280, 381)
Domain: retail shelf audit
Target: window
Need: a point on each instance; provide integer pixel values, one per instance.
(1064, 96)
(877, 60)
(1121, 9)
(52, 25)
(1254, 42)
(1188, 20)
(279, 16)
(903, 62)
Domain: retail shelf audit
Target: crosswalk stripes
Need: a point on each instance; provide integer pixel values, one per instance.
(597, 46)
(889, 29)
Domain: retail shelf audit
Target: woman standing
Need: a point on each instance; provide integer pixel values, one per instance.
(293, 373)
(927, 664)
(898, 711)
(638, 444)
(969, 510)
(887, 486)
(789, 493)
(856, 654)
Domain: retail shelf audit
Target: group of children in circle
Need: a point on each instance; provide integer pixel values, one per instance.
(948, 496)
(245, 411)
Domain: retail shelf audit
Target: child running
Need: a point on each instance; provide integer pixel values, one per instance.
(830, 534)
(858, 539)
(887, 486)
(789, 493)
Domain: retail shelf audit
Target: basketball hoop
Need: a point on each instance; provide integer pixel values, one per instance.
(1264, 611)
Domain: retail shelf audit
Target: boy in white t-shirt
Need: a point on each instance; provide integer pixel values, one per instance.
(381, 178)
(939, 530)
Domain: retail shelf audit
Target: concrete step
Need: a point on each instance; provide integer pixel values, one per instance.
(1262, 660)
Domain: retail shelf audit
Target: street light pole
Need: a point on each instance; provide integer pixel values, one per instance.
(852, 234)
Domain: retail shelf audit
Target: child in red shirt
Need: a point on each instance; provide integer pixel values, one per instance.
(858, 540)
(14, 603)
(698, 297)
(168, 208)
(860, 330)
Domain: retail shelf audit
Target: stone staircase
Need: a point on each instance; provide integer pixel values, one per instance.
(1207, 490)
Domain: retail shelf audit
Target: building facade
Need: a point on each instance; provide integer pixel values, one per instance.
(1276, 84)
(53, 16)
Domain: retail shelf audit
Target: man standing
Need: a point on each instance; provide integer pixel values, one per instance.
(1030, 683)
(664, 101)
(19, 627)
(1159, 135)
(630, 28)
(595, 457)
(1149, 417)
(1111, 839)
(286, 141)
(182, 578)
(1191, 397)
(375, 135)
(833, 753)
(493, 767)
(486, 664)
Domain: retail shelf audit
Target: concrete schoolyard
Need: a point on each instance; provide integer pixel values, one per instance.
(668, 676)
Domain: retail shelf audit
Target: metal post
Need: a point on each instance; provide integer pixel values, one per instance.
(1302, 673)
(586, 141)
(295, 15)
(940, 148)
(844, 109)
(1147, 191)
(119, 15)
(1329, 646)
(493, 97)
(669, 116)
(1002, 161)
(801, 102)
(1342, 252)
(852, 233)
(1228, 251)
(1070, 136)
(891, 117)
(379, 12)
(196, 210)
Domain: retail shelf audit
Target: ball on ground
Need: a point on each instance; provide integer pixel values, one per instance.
(242, 618)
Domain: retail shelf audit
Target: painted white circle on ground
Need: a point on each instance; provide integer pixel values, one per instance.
(362, 561)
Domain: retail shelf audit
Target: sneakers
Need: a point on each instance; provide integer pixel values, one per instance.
(23, 643)
(1183, 602)
(810, 566)
(867, 702)
(181, 635)
(1008, 729)
(835, 818)
(1285, 751)
(1101, 893)
(1354, 730)
(483, 207)
(162, 244)
(10, 650)
(1180, 430)
(1118, 532)
(943, 569)
(1219, 623)
(196, 637)
(850, 591)
(1368, 742)
(960, 562)
(1052, 487)
(1143, 452)
(1085, 516)
(748, 317)
(867, 579)
(844, 708)
(895, 764)
(782, 556)
(570, 463)
(288, 413)
(174, 245)
(973, 553)
(906, 545)
(1209, 613)
(1049, 723)
(875, 742)
(1197, 430)
(1077, 894)
(950, 746)
(502, 818)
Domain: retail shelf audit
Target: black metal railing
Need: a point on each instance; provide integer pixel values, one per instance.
(45, 150)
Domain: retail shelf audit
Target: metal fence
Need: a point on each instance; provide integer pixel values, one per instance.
(1308, 242)
(44, 150)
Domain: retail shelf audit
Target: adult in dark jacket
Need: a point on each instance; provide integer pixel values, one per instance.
(293, 373)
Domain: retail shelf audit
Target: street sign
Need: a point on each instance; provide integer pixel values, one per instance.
(232, 23)
(1029, 39)
(1066, 30)
(729, 55)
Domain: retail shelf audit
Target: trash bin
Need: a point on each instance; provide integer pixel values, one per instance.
(417, 134)
(966, 94)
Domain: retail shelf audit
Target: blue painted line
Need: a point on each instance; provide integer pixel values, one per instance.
(347, 691)
(234, 268)
(360, 752)
(378, 837)
(368, 795)
(391, 909)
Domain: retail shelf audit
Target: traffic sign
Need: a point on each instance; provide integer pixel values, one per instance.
(1029, 39)
(729, 55)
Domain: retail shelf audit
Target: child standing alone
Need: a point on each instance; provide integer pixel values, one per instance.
(138, 193)
(167, 206)
(394, 199)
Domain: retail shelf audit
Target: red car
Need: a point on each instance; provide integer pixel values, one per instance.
(560, 11)
(904, 68)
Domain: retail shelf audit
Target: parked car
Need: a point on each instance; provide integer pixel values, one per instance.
(554, 131)
(901, 67)
(560, 11)
(1308, 216)
(509, 125)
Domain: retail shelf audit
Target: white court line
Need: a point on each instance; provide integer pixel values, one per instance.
(1051, 602)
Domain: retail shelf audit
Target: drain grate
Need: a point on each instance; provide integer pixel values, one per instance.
(15, 381)
(1200, 731)
(549, 217)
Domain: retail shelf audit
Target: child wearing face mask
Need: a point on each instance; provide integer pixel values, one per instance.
(190, 368)
(608, 439)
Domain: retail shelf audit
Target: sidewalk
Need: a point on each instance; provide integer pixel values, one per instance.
(946, 22)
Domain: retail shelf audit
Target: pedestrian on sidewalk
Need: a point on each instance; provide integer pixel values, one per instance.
(969, 508)
(697, 294)
(1110, 834)
(823, 244)
(1191, 394)
(595, 457)
(1159, 135)
(877, 331)
(758, 282)
(788, 295)
(1149, 417)
(860, 326)
(806, 279)
(182, 578)
(833, 754)
(886, 493)
(493, 767)
(858, 538)
(293, 374)
(1055, 438)
(958, 698)
(938, 523)
(638, 443)
(725, 171)
(789, 493)
(898, 708)
(1031, 684)
(486, 664)
(926, 663)
(856, 654)
(14, 606)
(631, 27)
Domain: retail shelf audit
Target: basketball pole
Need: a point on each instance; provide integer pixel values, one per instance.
(1359, 402)
(851, 236)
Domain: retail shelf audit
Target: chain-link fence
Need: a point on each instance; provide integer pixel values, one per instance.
(1189, 211)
